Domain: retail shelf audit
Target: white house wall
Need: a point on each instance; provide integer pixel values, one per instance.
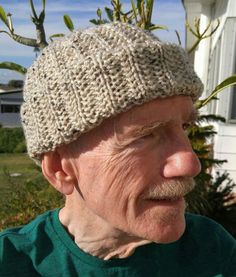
(225, 141)
(220, 11)
(202, 52)
(221, 65)
(225, 148)
(215, 60)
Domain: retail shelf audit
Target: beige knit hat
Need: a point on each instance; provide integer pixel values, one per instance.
(94, 74)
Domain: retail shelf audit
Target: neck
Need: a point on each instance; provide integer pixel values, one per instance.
(96, 236)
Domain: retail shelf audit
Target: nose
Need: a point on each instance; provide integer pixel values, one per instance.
(181, 160)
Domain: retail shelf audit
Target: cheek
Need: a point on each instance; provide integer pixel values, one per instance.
(120, 176)
(112, 184)
(118, 179)
(150, 156)
(124, 176)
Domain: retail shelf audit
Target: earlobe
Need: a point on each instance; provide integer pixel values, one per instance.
(65, 183)
(55, 173)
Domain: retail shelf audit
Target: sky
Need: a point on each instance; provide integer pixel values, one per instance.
(166, 12)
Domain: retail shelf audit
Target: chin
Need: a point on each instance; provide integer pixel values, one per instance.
(161, 221)
(170, 237)
(168, 233)
(161, 227)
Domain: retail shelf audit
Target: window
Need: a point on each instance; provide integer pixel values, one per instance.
(233, 106)
(232, 110)
(10, 108)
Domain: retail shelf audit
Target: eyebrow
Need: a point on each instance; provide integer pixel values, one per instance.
(140, 131)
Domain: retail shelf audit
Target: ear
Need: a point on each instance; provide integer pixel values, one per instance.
(56, 171)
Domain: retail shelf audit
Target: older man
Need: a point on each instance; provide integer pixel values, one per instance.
(105, 114)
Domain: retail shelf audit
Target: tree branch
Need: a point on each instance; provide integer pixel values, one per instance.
(38, 22)
(23, 40)
(41, 36)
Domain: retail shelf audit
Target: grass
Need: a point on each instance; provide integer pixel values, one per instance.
(23, 197)
(16, 163)
(16, 160)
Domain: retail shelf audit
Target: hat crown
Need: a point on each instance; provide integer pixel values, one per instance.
(79, 81)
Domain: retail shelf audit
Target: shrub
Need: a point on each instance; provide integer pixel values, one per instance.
(12, 140)
(20, 148)
(23, 201)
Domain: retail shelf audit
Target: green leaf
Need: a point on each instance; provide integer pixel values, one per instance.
(134, 10)
(99, 21)
(94, 21)
(155, 27)
(139, 6)
(109, 13)
(56, 36)
(149, 9)
(226, 83)
(42, 16)
(3, 16)
(223, 85)
(99, 13)
(211, 118)
(178, 37)
(68, 22)
(13, 66)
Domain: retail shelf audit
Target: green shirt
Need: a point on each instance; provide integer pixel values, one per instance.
(44, 248)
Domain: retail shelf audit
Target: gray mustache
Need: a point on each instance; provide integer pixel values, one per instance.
(170, 189)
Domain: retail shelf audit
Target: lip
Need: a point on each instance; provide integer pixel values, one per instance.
(166, 202)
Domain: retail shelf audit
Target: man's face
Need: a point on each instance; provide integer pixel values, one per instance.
(134, 170)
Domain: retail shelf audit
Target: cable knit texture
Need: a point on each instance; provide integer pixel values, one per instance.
(79, 81)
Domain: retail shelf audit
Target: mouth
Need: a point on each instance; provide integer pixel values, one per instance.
(169, 192)
(166, 201)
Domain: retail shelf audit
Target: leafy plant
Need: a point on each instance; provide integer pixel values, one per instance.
(201, 139)
(24, 201)
(208, 197)
(38, 21)
(68, 22)
(13, 66)
(201, 35)
(12, 140)
(223, 85)
(140, 14)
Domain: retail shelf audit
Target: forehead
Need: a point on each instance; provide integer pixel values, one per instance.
(159, 110)
(179, 108)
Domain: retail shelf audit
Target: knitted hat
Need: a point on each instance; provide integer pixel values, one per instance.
(79, 81)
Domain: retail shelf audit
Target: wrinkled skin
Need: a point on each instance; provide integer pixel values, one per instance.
(131, 178)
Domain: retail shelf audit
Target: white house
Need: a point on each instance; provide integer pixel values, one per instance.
(10, 102)
(215, 60)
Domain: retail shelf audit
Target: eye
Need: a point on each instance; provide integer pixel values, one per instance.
(146, 136)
